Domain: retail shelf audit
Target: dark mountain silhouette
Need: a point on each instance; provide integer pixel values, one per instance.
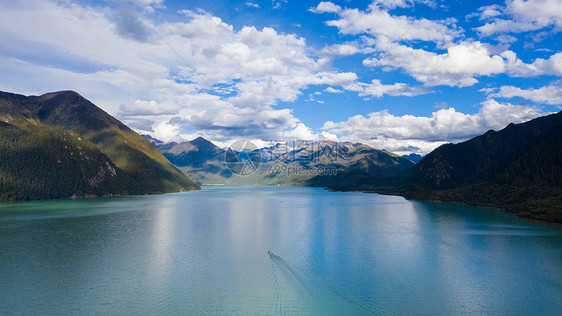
(518, 168)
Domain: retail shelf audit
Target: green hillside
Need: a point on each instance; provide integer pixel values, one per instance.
(61, 145)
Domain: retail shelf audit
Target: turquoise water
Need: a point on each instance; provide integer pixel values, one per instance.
(206, 252)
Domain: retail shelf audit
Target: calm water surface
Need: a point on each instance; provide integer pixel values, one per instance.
(206, 252)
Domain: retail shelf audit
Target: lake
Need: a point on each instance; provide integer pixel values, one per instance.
(206, 252)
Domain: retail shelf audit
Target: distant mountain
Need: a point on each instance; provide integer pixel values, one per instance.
(362, 167)
(193, 153)
(518, 168)
(61, 145)
(158, 143)
(200, 159)
(305, 163)
(415, 158)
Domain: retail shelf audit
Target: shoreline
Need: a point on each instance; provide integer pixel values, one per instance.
(536, 220)
(325, 188)
(444, 201)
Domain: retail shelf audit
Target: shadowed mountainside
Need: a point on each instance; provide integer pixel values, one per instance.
(518, 168)
(61, 145)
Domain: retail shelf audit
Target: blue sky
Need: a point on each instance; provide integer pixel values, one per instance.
(401, 75)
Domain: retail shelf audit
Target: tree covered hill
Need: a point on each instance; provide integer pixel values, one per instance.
(518, 168)
(61, 145)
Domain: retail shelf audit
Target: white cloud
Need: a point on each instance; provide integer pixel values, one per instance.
(144, 2)
(459, 66)
(551, 94)
(377, 89)
(127, 69)
(278, 3)
(487, 12)
(252, 5)
(440, 105)
(325, 7)
(129, 24)
(144, 108)
(463, 61)
(523, 16)
(165, 131)
(300, 132)
(31, 79)
(552, 65)
(408, 133)
(332, 90)
(262, 66)
(340, 49)
(378, 22)
(260, 92)
(506, 39)
(391, 4)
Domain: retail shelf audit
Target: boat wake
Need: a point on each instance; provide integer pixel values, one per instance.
(298, 273)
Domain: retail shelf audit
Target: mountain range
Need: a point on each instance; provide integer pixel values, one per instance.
(518, 168)
(300, 163)
(61, 145)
